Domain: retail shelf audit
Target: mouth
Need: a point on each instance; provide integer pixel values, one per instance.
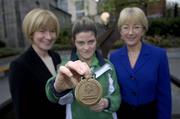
(48, 42)
(130, 39)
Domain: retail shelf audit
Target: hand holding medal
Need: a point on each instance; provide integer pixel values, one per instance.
(77, 74)
(68, 75)
(88, 91)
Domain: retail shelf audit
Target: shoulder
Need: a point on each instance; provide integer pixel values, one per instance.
(109, 64)
(155, 49)
(19, 64)
(117, 54)
(117, 51)
(157, 54)
(20, 60)
(26, 56)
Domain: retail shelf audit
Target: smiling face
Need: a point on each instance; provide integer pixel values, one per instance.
(85, 43)
(132, 33)
(41, 27)
(44, 39)
(132, 24)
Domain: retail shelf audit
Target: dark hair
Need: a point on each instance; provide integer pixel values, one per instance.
(83, 25)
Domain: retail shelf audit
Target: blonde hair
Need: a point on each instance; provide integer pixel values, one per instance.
(134, 14)
(37, 19)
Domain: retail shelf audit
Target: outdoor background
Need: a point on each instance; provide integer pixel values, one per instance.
(164, 31)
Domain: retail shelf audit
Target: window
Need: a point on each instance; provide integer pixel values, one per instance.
(80, 8)
(62, 4)
(79, 5)
(80, 14)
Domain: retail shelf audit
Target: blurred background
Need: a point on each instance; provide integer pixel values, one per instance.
(164, 31)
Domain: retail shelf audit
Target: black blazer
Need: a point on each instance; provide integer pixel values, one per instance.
(27, 79)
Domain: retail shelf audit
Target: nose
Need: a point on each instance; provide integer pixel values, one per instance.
(130, 30)
(48, 35)
(86, 46)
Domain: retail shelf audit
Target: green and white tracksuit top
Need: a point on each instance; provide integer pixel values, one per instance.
(106, 76)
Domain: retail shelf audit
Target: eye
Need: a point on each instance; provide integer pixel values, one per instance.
(91, 42)
(137, 27)
(80, 43)
(125, 27)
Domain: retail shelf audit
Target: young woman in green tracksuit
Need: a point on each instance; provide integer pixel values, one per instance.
(84, 37)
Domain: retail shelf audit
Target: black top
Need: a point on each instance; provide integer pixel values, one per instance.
(28, 77)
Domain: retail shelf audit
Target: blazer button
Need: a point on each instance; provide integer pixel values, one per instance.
(132, 77)
(134, 93)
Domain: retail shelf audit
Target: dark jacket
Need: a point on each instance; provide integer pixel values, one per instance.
(27, 79)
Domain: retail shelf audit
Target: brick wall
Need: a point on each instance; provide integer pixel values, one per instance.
(156, 9)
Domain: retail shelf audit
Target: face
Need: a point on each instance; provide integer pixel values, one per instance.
(85, 43)
(44, 39)
(132, 33)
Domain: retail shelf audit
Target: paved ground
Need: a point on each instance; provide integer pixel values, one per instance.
(174, 64)
(4, 91)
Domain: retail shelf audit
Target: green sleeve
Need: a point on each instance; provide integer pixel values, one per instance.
(49, 88)
(115, 97)
(49, 91)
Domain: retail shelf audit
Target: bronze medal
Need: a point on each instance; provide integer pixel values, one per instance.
(88, 91)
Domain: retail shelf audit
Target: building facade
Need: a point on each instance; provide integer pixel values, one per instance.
(79, 8)
(12, 13)
(156, 8)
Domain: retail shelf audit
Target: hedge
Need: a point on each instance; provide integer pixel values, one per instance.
(164, 27)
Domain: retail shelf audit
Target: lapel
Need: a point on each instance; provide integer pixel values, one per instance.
(143, 58)
(37, 66)
(124, 60)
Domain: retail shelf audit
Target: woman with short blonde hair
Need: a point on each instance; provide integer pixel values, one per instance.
(135, 14)
(37, 19)
(30, 71)
(142, 70)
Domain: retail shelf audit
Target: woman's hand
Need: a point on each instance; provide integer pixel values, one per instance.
(100, 106)
(69, 75)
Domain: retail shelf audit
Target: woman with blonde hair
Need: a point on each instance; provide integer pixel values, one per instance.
(30, 71)
(142, 70)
